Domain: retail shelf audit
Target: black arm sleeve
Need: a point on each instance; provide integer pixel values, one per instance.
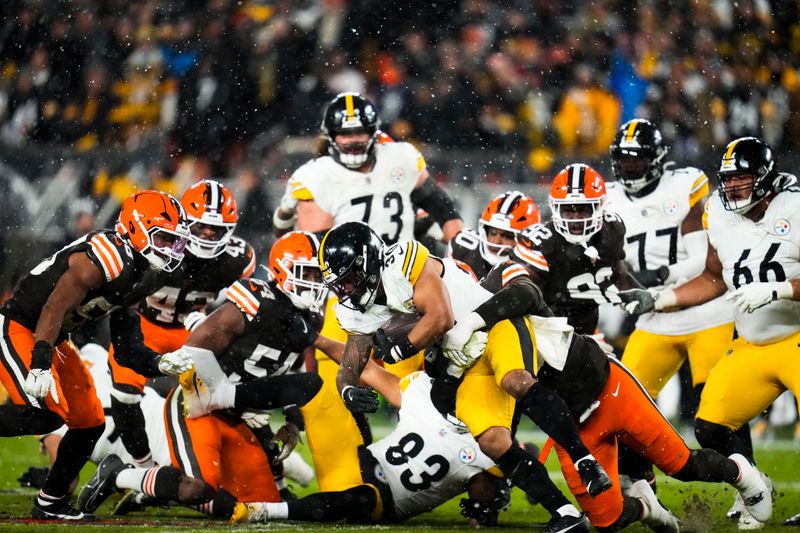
(435, 201)
(522, 297)
(128, 341)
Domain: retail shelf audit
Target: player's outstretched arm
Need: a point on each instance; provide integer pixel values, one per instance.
(356, 354)
(433, 301)
(439, 205)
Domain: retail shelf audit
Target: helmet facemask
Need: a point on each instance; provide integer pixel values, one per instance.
(165, 248)
(303, 284)
(352, 155)
(577, 219)
(493, 253)
(355, 286)
(635, 168)
(740, 196)
(209, 239)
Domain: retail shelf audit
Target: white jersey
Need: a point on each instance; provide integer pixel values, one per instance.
(403, 264)
(653, 239)
(425, 461)
(95, 358)
(763, 251)
(380, 197)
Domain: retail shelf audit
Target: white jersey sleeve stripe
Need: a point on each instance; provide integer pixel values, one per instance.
(534, 258)
(243, 300)
(108, 255)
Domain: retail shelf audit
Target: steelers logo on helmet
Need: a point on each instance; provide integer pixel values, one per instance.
(503, 219)
(351, 261)
(747, 174)
(577, 200)
(350, 125)
(638, 155)
(294, 267)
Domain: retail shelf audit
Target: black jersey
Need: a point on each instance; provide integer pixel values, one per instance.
(128, 279)
(197, 282)
(587, 368)
(576, 277)
(466, 247)
(275, 336)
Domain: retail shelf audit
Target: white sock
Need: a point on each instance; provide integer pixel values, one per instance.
(564, 510)
(276, 511)
(138, 479)
(590, 456)
(224, 395)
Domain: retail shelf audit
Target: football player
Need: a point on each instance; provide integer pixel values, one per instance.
(374, 284)
(86, 280)
(504, 217)
(360, 174)
(752, 224)
(422, 463)
(577, 259)
(662, 207)
(612, 407)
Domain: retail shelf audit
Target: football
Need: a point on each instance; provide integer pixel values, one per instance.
(399, 326)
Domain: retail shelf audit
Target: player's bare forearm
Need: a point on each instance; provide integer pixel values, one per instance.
(433, 301)
(219, 330)
(311, 217)
(383, 381)
(705, 287)
(333, 349)
(354, 359)
(451, 229)
(622, 277)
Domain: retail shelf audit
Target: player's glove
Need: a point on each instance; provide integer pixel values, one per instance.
(175, 363)
(471, 352)
(360, 399)
(256, 419)
(289, 435)
(34, 476)
(641, 301)
(389, 351)
(481, 513)
(194, 319)
(459, 335)
(755, 295)
(652, 278)
(39, 380)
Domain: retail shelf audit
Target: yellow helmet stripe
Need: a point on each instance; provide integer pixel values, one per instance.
(349, 107)
(729, 151)
(631, 130)
(322, 266)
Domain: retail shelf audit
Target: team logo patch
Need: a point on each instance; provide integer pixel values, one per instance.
(671, 207)
(398, 175)
(467, 454)
(782, 227)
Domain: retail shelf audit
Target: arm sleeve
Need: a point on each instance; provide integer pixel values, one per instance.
(519, 298)
(129, 348)
(433, 199)
(696, 244)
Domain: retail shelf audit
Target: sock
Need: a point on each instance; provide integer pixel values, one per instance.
(45, 500)
(129, 422)
(276, 511)
(568, 510)
(720, 438)
(590, 457)
(133, 479)
(634, 465)
(708, 465)
(160, 481)
(354, 505)
(531, 477)
(73, 452)
(548, 411)
(743, 433)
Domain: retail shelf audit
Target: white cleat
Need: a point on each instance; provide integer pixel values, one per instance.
(655, 515)
(746, 521)
(196, 395)
(244, 513)
(756, 495)
(736, 509)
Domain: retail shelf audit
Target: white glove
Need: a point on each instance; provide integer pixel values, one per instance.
(755, 295)
(471, 352)
(194, 319)
(600, 339)
(39, 382)
(175, 363)
(256, 419)
(458, 336)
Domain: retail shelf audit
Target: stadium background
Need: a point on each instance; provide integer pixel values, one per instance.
(99, 98)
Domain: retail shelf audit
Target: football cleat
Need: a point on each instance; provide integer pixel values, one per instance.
(102, 484)
(594, 477)
(757, 496)
(244, 513)
(736, 509)
(59, 509)
(196, 395)
(746, 521)
(655, 515)
(562, 524)
(793, 521)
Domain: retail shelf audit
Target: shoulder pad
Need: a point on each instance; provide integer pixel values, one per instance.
(109, 253)
(408, 257)
(249, 295)
(244, 256)
(528, 248)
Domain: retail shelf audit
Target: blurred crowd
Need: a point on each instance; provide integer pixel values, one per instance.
(541, 78)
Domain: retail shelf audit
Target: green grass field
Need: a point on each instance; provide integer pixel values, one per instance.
(700, 506)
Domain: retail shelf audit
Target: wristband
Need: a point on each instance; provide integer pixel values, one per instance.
(42, 355)
(404, 348)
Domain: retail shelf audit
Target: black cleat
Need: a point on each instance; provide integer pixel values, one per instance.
(793, 521)
(102, 485)
(58, 510)
(134, 502)
(573, 524)
(594, 477)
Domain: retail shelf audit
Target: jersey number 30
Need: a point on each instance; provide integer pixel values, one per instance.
(408, 447)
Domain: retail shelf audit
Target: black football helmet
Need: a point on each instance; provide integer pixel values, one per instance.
(637, 155)
(746, 156)
(350, 113)
(351, 260)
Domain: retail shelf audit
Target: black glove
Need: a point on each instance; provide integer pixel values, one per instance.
(360, 399)
(481, 513)
(637, 301)
(34, 477)
(652, 278)
(389, 351)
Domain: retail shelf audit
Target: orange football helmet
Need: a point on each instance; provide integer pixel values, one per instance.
(512, 211)
(294, 267)
(577, 199)
(155, 225)
(211, 209)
